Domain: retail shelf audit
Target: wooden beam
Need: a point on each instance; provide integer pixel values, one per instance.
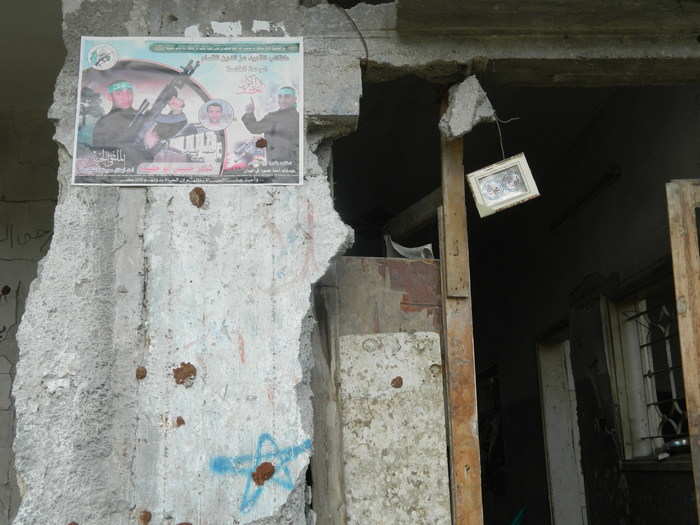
(455, 253)
(683, 198)
(418, 215)
(458, 343)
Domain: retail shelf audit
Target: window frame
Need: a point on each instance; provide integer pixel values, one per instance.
(638, 421)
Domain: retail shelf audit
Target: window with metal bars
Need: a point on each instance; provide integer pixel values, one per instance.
(647, 373)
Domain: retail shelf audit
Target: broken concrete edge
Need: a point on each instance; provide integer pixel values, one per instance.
(319, 140)
(323, 128)
(467, 107)
(328, 119)
(286, 512)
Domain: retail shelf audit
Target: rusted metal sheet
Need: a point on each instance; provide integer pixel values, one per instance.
(381, 295)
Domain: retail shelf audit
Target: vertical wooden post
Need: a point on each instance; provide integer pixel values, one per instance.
(458, 342)
(683, 198)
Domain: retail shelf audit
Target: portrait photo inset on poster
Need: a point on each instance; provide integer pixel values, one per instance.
(216, 114)
(180, 111)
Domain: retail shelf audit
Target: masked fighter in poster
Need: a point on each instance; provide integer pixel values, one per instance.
(117, 130)
(140, 133)
(281, 127)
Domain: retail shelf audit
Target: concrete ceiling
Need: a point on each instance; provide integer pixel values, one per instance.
(575, 17)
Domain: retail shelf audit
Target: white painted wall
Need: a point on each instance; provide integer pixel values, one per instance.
(567, 497)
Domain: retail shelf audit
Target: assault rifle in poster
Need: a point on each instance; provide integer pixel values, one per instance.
(146, 119)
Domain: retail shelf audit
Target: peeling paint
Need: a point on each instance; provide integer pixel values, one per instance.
(193, 31)
(232, 29)
(261, 25)
(269, 28)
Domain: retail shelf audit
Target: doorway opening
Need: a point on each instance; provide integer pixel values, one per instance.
(596, 239)
(598, 233)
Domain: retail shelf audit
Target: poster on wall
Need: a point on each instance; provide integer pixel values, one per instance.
(167, 111)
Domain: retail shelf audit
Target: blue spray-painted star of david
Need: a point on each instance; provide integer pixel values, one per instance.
(267, 450)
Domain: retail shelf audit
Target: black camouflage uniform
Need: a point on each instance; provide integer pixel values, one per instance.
(112, 131)
(281, 130)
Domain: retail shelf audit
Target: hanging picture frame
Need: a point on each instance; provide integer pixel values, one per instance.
(502, 185)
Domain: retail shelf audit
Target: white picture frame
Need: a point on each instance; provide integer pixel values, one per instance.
(502, 185)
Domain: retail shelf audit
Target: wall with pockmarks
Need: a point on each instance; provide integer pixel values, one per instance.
(162, 340)
(393, 428)
(380, 450)
(165, 348)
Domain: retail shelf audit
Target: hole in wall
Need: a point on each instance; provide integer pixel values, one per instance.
(391, 161)
(601, 165)
(28, 191)
(597, 154)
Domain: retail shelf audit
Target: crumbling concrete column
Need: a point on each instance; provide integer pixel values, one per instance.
(164, 349)
(467, 106)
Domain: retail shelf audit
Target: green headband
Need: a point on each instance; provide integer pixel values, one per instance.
(118, 86)
(287, 91)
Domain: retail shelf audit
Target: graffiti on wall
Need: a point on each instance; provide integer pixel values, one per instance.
(25, 229)
(13, 236)
(10, 297)
(269, 463)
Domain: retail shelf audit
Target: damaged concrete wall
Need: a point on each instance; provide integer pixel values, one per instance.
(467, 106)
(138, 280)
(394, 428)
(161, 340)
(25, 234)
(379, 422)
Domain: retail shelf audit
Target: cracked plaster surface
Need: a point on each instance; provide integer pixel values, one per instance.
(132, 274)
(140, 277)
